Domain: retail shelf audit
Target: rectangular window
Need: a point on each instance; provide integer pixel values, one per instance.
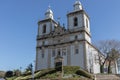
(64, 52)
(43, 43)
(59, 53)
(76, 51)
(42, 55)
(96, 58)
(53, 53)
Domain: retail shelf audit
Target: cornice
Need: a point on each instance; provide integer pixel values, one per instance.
(47, 20)
(76, 12)
(67, 32)
(63, 43)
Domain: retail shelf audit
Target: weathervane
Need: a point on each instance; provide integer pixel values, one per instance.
(49, 7)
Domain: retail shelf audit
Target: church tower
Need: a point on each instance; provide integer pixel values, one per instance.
(78, 20)
(47, 25)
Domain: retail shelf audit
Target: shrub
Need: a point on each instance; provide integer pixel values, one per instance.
(45, 72)
(84, 73)
(26, 73)
(9, 74)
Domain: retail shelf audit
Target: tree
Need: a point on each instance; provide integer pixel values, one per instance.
(9, 74)
(2, 74)
(17, 72)
(28, 69)
(113, 55)
(110, 50)
(102, 60)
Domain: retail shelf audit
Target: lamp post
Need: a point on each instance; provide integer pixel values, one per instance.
(62, 67)
(20, 71)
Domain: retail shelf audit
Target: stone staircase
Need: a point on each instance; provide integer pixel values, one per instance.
(107, 77)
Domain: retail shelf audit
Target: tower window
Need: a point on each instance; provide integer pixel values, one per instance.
(75, 21)
(44, 29)
(86, 23)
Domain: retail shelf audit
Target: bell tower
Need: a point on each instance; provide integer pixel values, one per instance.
(78, 20)
(45, 27)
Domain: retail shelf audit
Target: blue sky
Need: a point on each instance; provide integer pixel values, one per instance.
(18, 25)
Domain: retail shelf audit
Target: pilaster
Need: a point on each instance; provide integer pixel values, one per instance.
(68, 55)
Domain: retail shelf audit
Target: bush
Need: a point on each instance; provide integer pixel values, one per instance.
(84, 73)
(45, 72)
(26, 73)
(9, 74)
(70, 69)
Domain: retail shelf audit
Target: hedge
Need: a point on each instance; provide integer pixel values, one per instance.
(70, 69)
(84, 73)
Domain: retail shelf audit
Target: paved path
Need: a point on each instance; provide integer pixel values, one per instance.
(2, 79)
(107, 77)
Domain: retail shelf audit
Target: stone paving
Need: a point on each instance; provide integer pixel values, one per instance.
(107, 77)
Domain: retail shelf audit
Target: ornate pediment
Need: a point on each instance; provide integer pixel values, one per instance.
(58, 30)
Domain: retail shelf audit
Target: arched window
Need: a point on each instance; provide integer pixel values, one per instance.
(44, 29)
(75, 21)
(86, 23)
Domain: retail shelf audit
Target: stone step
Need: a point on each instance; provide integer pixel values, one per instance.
(107, 77)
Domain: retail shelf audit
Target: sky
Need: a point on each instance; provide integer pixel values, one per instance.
(18, 26)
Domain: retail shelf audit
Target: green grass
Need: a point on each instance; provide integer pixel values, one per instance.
(11, 78)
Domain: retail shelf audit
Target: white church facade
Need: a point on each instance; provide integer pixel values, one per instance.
(72, 44)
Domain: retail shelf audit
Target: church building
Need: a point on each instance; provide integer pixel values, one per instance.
(73, 44)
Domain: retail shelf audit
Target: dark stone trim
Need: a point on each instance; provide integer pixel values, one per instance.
(36, 61)
(47, 20)
(70, 42)
(85, 56)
